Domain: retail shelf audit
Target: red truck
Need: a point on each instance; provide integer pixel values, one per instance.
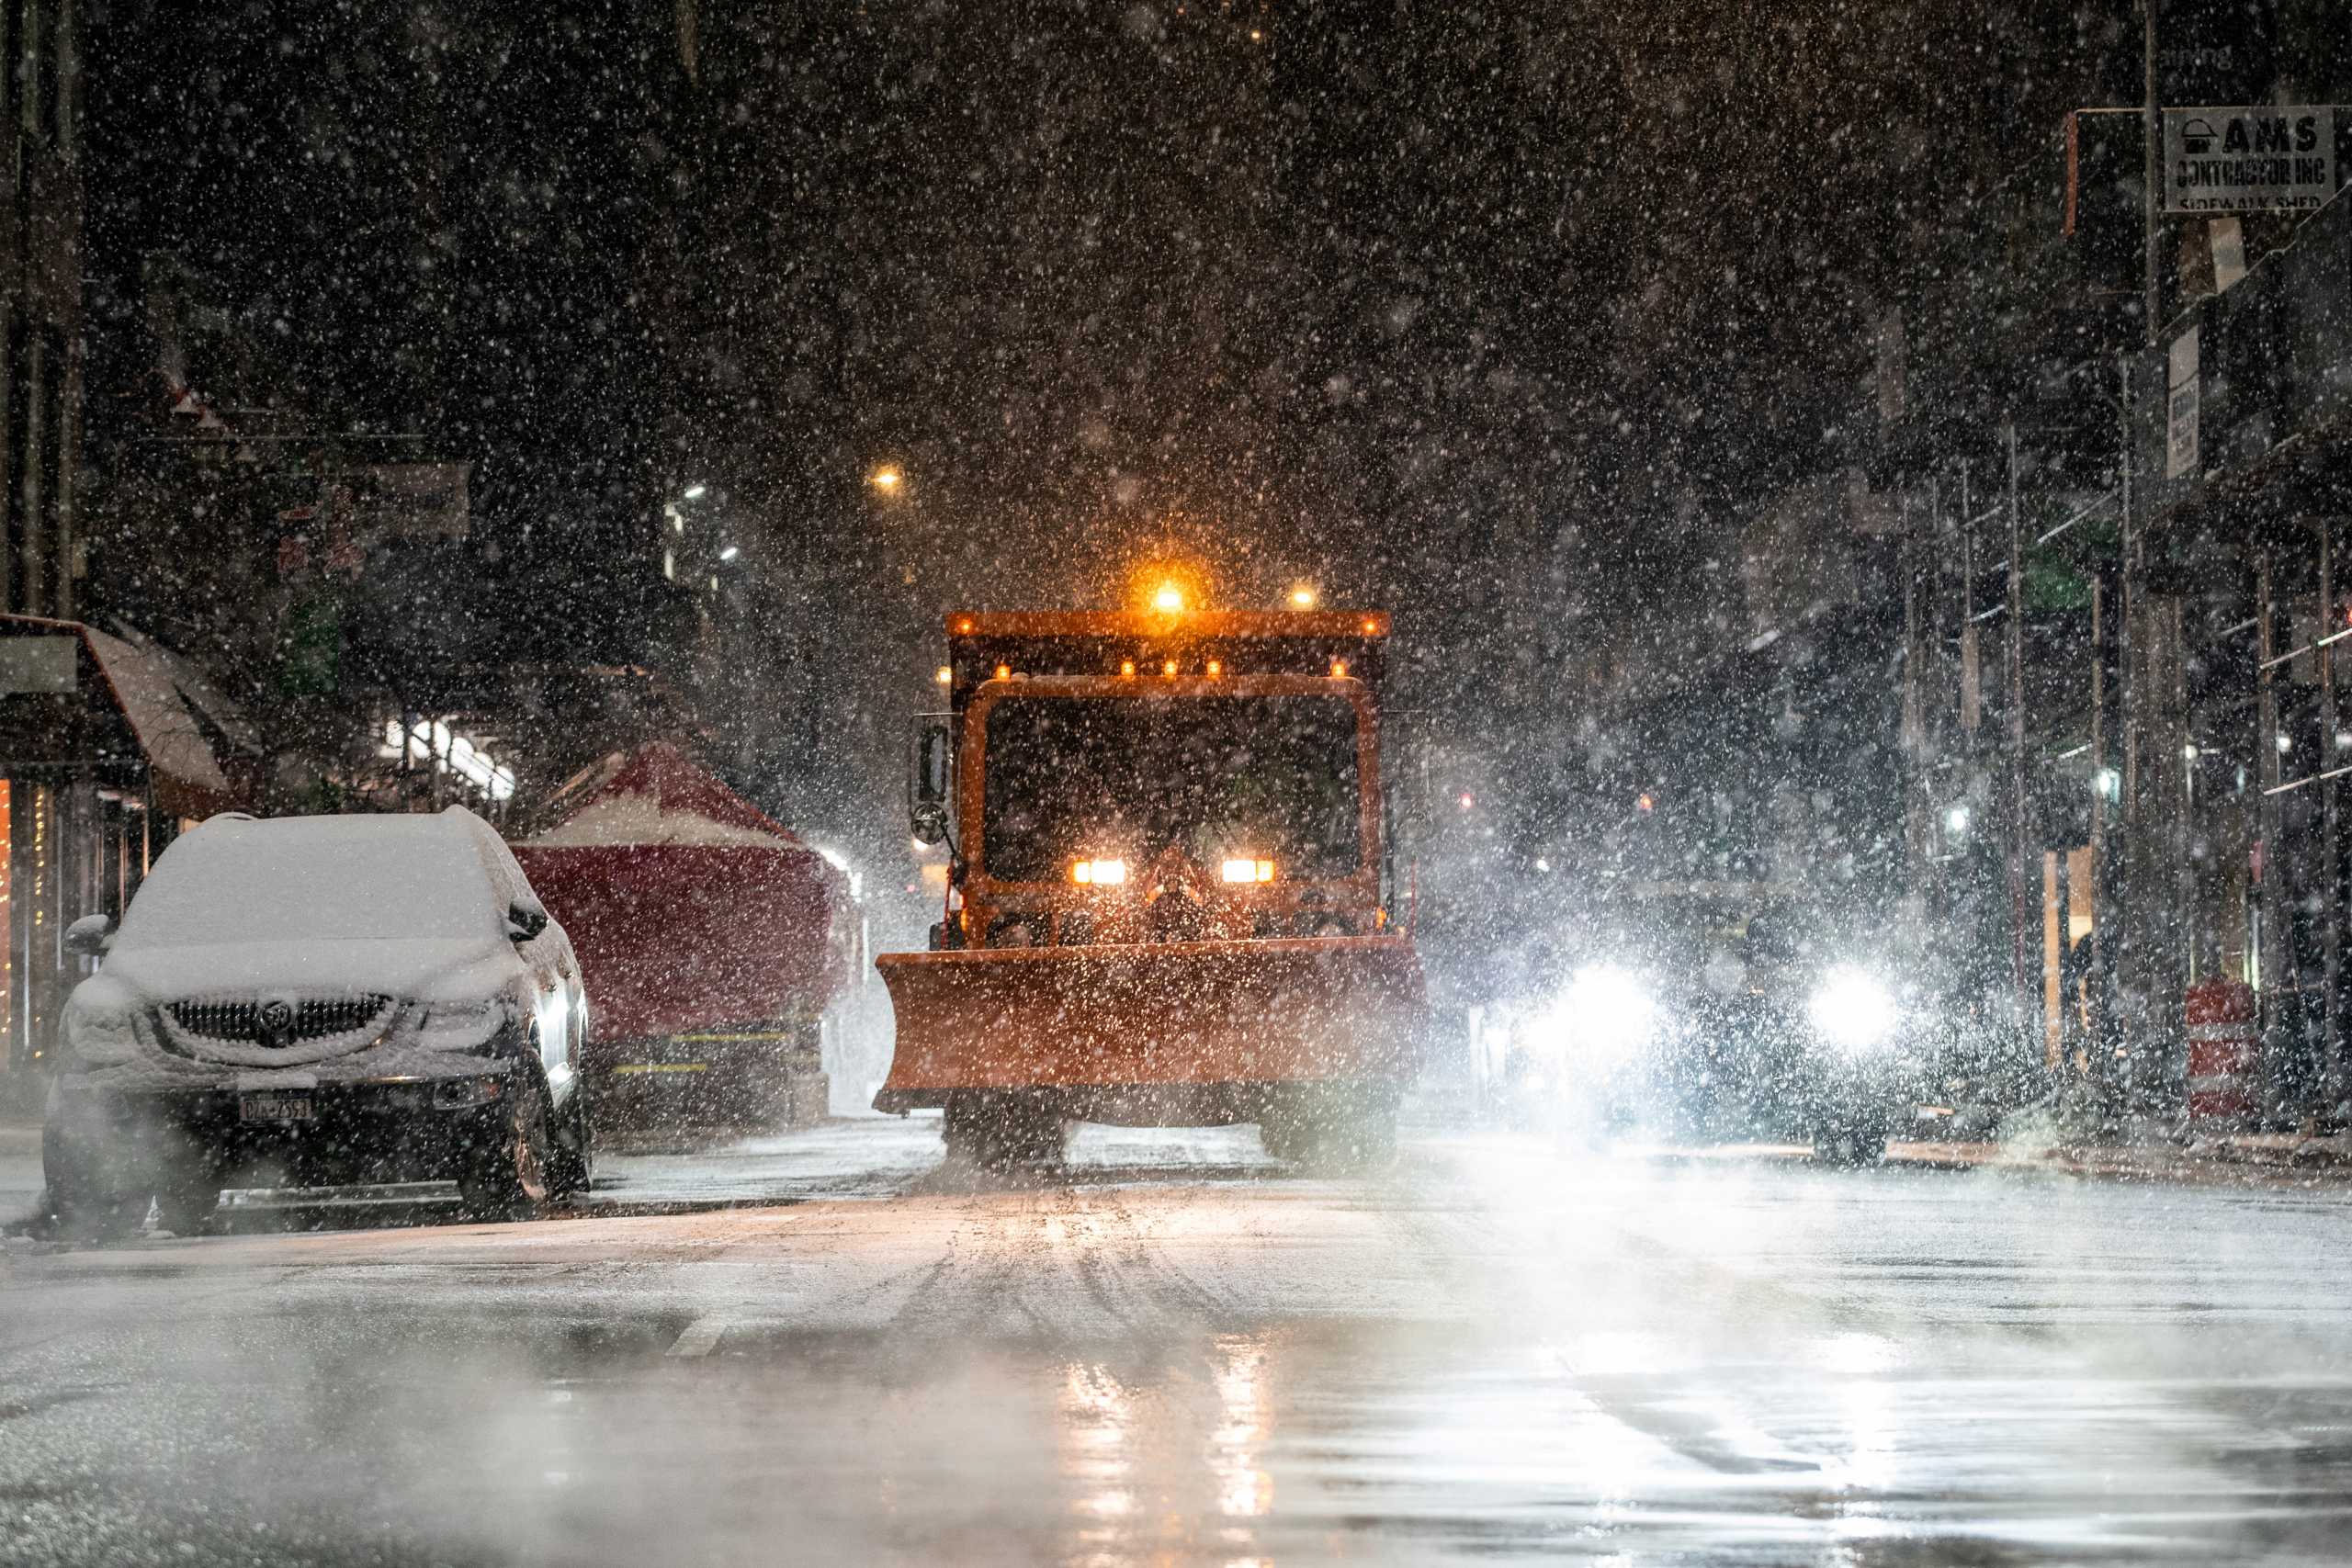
(713, 942)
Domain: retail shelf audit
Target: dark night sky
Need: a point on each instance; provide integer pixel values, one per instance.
(1427, 302)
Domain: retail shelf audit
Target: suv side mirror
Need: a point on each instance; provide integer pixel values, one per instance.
(932, 780)
(525, 921)
(88, 936)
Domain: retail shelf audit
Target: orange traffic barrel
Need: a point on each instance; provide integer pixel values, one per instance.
(2225, 1051)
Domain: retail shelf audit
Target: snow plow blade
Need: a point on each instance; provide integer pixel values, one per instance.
(1115, 1029)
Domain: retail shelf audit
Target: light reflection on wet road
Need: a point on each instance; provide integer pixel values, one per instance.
(1181, 1356)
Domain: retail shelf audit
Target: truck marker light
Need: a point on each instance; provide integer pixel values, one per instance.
(1127, 667)
(1215, 669)
(1168, 669)
(1339, 669)
(1005, 671)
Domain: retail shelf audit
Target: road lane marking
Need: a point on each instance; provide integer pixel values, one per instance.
(701, 1336)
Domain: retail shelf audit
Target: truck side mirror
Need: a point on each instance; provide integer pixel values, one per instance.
(932, 780)
(88, 936)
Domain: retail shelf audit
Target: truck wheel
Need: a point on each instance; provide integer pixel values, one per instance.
(996, 1132)
(1285, 1139)
(1335, 1130)
(972, 1127)
(507, 1176)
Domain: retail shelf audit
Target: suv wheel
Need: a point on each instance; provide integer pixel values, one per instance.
(570, 1159)
(85, 1205)
(506, 1177)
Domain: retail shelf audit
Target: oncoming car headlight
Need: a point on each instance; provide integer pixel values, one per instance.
(1853, 1010)
(1604, 1012)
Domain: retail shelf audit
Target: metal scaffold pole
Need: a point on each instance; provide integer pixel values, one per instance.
(2331, 827)
(2021, 826)
(2272, 951)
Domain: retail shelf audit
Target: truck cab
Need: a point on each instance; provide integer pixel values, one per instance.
(1170, 894)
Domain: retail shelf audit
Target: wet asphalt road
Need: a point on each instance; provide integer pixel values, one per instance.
(1176, 1354)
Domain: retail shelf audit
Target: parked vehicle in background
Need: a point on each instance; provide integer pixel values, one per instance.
(316, 1001)
(715, 940)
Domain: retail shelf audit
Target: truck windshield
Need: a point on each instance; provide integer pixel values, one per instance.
(1263, 777)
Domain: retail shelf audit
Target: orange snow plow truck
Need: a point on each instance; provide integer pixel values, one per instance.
(1170, 900)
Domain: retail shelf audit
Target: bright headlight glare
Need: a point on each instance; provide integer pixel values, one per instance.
(1248, 871)
(1609, 1007)
(1605, 1012)
(1854, 1011)
(1100, 873)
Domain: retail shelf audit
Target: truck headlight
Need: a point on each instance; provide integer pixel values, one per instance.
(1853, 1010)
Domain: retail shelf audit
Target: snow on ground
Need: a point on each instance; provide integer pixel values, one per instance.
(1501, 1351)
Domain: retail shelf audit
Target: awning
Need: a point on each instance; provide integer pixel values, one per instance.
(183, 768)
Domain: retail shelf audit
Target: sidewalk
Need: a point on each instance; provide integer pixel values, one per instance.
(20, 1172)
(2229, 1157)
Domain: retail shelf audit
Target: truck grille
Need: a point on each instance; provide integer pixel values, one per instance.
(313, 1018)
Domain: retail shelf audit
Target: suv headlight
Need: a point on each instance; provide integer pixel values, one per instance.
(101, 1035)
(1854, 1011)
(463, 1025)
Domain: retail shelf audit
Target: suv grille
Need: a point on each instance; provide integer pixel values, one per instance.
(314, 1018)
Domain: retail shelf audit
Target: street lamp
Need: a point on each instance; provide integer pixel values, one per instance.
(887, 479)
(1303, 596)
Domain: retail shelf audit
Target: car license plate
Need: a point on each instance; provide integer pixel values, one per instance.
(274, 1108)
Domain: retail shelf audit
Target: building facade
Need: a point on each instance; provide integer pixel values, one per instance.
(40, 304)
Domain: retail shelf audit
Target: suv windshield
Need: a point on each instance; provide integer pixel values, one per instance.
(319, 879)
(1265, 777)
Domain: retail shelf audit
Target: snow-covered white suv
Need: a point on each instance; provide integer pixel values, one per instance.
(322, 1000)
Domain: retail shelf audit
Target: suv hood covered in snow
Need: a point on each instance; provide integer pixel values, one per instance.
(425, 970)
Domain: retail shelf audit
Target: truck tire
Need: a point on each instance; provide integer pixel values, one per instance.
(997, 1131)
(505, 1177)
(1335, 1130)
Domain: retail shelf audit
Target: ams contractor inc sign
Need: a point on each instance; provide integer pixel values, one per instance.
(2264, 159)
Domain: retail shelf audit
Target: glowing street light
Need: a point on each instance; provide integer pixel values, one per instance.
(1169, 596)
(887, 479)
(1303, 596)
